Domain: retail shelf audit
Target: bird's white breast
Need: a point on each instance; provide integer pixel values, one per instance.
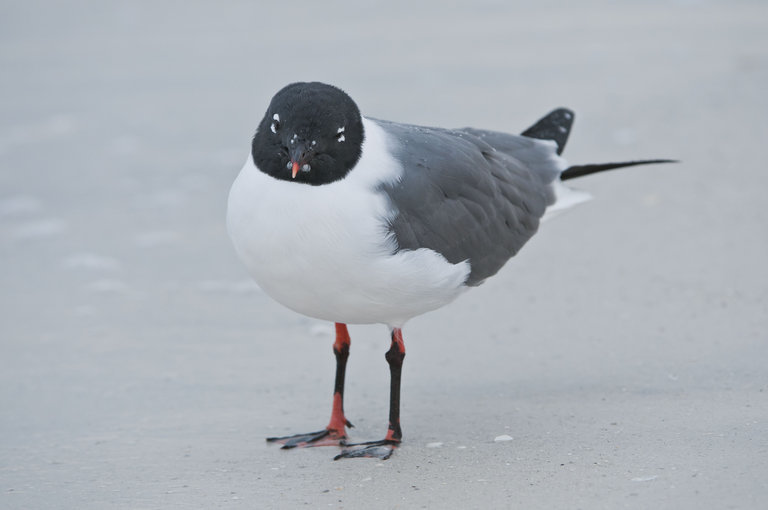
(325, 251)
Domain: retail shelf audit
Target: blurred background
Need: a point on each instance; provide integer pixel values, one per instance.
(624, 349)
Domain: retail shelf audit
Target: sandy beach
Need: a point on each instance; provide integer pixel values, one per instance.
(619, 359)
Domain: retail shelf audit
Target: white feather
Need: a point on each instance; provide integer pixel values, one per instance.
(324, 251)
(565, 198)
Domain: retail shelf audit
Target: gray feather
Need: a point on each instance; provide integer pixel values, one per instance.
(468, 194)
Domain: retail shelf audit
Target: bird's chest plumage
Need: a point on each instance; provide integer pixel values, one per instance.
(303, 242)
(325, 251)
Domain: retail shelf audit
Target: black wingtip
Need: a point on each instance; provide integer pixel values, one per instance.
(556, 126)
(581, 170)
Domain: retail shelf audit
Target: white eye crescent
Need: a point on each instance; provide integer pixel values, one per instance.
(340, 134)
(276, 124)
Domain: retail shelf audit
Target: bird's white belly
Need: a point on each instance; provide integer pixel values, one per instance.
(323, 251)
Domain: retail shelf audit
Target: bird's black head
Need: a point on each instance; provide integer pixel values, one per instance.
(312, 133)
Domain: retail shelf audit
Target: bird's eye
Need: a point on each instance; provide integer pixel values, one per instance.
(275, 123)
(340, 134)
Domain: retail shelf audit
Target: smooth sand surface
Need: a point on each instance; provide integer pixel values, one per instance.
(623, 350)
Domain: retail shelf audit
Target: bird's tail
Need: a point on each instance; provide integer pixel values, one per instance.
(581, 170)
(556, 126)
(566, 197)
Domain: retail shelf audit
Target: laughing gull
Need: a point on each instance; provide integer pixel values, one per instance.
(356, 220)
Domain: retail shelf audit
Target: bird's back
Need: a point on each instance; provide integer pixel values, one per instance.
(469, 194)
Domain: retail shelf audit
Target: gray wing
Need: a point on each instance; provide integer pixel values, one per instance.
(469, 194)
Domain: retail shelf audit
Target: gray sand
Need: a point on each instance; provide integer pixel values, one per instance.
(624, 350)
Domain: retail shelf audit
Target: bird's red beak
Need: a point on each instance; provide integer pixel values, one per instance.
(294, 170)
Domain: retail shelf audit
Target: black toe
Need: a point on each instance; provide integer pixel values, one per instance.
(382, 449)
(319, 438)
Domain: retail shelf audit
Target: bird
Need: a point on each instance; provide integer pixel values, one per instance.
(356, 220)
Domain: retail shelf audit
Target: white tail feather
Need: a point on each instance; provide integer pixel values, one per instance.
(565, 198)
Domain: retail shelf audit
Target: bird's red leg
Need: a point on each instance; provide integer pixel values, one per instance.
(395, 356)
(384, 448)
(335, 433)
(341, 350)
